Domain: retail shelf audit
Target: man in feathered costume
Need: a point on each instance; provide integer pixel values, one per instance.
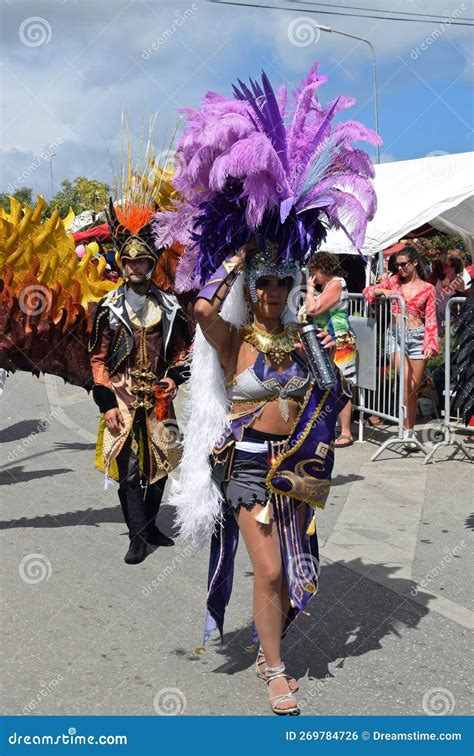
(138, 349)
(257, 196)
(138, 336)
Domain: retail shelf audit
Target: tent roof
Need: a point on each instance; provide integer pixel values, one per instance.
(438, 189)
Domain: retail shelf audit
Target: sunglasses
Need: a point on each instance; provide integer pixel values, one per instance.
(282, 283)
(403, 264)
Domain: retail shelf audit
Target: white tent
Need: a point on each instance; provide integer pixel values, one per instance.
(436, 189)
(458, 220)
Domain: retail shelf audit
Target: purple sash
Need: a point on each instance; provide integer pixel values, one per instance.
(303, 471)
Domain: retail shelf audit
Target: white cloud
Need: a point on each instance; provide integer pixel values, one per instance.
(75, 85)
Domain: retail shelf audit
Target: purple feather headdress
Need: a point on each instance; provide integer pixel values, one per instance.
(253, 166)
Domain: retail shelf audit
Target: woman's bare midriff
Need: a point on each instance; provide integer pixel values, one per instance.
(412, 321)
(271, 421)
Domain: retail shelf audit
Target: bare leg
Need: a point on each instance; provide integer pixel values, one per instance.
(395, 361)
(345, 420)
(285, 601)
(263, 547)
(416, 373)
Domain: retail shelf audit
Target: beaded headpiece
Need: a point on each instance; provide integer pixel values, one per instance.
(264, 263)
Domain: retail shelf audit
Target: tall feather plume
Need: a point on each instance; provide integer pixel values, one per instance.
(258, 164)
(143, 184)
(265, 104)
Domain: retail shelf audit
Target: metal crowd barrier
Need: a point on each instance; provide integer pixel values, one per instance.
(380, 388)
(449, 425)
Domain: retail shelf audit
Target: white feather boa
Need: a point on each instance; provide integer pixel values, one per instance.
(194, 495)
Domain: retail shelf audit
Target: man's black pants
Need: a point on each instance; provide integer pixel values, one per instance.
(140, 503)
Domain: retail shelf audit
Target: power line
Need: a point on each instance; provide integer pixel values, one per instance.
(436, 17)
(334, 13)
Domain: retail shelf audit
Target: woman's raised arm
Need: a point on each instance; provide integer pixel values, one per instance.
(315, 305)
(209, 302)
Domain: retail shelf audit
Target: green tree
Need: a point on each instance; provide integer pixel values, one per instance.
(436, 245)
(80, 194)
(23, 195)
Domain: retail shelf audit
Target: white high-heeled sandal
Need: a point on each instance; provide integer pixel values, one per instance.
(262, 676)
(271, 674)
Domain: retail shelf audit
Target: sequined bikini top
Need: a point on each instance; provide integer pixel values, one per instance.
(261, 381)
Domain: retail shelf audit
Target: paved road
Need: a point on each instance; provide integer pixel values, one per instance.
(83, 633)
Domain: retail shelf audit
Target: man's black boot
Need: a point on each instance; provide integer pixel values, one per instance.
(133, 507)
(137, 551)
(153, 498)
(157, 538)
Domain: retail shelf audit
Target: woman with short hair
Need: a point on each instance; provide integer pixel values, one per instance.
(328, 309)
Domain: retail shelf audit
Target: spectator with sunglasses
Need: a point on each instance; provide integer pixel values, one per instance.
(421, 342)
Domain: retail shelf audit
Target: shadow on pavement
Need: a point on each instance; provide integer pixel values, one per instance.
(13, 475)
(350, 616)
(22, 429)
(67, 519)
(341, 480)
(76, 446)
(89, 516)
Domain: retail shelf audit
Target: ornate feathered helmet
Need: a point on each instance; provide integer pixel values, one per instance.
(143, 184)
(253, 165)
(132, 231)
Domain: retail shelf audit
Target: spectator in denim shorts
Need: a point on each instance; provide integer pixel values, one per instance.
(421, 340)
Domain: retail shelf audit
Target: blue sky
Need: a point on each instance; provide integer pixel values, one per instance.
(68, 67)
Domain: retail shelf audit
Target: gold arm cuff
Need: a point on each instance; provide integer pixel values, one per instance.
(229, 266)
(214, 281)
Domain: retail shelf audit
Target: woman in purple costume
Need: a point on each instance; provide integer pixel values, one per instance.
(267, 381)
(257, 196)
